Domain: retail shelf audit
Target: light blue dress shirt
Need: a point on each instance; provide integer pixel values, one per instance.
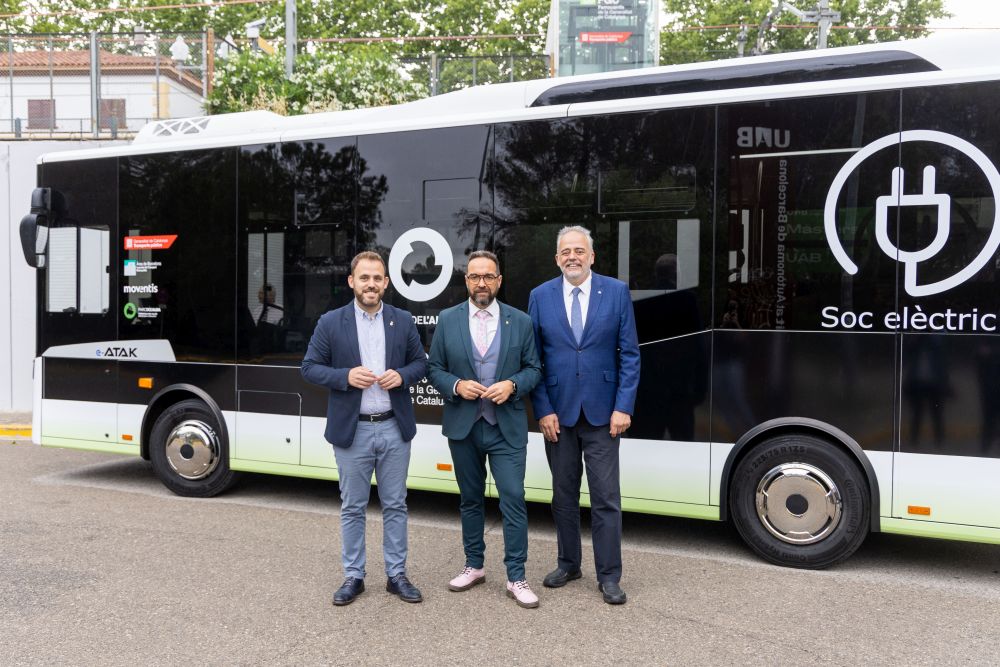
(371, 342)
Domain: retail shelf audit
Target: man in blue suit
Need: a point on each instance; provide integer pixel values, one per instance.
(585, 330)
(368, 354)
(483, 361)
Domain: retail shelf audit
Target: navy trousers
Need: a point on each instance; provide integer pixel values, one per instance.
(599, 451)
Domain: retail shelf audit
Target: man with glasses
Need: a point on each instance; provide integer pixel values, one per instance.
(483, 361)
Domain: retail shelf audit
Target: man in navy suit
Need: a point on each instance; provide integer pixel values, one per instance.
(368, 354)
(585, 330)
(483, 361)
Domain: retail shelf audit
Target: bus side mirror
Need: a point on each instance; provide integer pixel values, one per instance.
(34, 229)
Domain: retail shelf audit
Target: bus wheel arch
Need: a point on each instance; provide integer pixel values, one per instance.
(185, 438)
(800, 492)
(167, 397)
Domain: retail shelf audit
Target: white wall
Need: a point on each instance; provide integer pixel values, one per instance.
(72, 96)
(17, 279)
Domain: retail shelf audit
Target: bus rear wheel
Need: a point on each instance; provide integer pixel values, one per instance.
(800, 501)
(189, 452)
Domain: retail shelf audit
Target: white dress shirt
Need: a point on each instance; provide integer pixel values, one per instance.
(568, 288)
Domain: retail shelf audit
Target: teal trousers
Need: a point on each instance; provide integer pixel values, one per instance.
(470, 455)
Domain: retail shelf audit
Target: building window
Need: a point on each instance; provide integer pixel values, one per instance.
(41, 114)
(113, 108)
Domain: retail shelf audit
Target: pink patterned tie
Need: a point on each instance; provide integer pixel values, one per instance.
(482, 334)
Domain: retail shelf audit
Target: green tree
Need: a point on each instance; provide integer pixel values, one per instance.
(13, 24)
(677, 45)
(328, 75)
(324, 81)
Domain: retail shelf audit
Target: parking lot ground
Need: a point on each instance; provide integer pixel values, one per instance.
(99, 564)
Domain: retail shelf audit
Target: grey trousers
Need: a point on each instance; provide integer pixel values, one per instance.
(379, 448)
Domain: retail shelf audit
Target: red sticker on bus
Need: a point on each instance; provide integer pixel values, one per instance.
(161, 242)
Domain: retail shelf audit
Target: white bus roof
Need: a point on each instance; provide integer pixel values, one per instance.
(930, 60)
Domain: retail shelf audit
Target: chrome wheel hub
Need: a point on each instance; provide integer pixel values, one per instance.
(798, 503)
(193, 449)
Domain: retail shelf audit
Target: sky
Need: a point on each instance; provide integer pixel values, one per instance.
(971, 13)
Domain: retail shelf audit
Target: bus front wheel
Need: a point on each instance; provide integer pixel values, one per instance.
(189, 451)
(800, 501)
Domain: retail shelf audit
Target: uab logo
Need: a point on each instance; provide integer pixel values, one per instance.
(118, 352)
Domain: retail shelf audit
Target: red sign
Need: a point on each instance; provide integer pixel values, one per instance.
(150, 242)
(604, 37)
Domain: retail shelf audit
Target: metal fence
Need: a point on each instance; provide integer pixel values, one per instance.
(100, 85)
(445, 74)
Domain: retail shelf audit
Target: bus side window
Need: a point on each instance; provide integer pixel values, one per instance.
(77, 264)
(61, 261)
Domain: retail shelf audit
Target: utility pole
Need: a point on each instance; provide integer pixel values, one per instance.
(291, 37)
(825, 18)
(822, 15)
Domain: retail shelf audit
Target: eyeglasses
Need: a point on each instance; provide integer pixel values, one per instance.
(475, 278)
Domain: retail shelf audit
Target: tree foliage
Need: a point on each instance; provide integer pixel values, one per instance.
(858, 15)
(328, 75)
(325, 81)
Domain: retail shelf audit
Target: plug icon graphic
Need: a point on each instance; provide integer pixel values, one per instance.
(928, 198)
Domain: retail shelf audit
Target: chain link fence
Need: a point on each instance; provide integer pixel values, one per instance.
(71, 86)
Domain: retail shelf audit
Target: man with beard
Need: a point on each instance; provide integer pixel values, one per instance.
(368, 354)
(586, 335)
(483, 362)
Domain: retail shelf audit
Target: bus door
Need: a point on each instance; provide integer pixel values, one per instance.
(296, 238)
(77, 325)
(948, 462)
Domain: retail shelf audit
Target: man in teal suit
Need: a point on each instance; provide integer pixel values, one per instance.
(484, 363)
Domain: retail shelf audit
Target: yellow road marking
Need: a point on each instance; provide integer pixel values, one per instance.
(15, 430)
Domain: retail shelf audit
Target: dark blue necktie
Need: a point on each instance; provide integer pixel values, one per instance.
(576, 316)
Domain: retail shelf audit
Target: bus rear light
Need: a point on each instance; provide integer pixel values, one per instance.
(127, 437)
(444, 466)
(145, 383)
(917, 509)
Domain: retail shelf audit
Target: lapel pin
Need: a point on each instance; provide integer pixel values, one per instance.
(599, 292)
(506, 322)
(392, 323)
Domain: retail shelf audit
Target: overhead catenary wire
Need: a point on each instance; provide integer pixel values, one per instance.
(418, 38)
(132, 10)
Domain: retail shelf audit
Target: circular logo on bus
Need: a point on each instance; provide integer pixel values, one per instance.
(403, 248)
(130, 310)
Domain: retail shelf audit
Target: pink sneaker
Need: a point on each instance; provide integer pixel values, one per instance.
(470, 577)
(520, 591)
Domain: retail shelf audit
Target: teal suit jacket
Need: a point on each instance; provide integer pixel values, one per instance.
(451, 361)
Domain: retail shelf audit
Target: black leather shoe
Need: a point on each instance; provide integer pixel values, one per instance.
(559, 577)
(401, 586)
(613, 593)
(351, 588)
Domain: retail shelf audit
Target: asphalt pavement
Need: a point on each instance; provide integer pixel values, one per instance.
(99, 564)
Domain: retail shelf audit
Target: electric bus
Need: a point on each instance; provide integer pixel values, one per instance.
(810, 241)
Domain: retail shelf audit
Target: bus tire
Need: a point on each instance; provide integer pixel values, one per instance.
(189, 451)
(800, 501)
